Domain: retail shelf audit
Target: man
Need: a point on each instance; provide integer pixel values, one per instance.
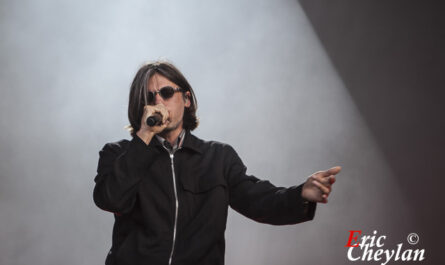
(170, 191)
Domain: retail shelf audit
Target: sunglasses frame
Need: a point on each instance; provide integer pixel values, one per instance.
(153, 94)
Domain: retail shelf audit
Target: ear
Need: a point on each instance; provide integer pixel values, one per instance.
(187, 99)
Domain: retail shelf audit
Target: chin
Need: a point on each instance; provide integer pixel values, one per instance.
(171, 127)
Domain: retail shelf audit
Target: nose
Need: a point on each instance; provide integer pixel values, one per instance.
(158, 99)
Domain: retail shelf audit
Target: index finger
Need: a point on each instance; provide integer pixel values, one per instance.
(159, 107)
(332, 171)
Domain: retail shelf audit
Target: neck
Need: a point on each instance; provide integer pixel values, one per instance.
(172, 135)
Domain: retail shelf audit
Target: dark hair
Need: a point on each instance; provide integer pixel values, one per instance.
(138, 94)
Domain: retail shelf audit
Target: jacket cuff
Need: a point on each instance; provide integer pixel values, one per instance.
(304, 208)
(140, 154)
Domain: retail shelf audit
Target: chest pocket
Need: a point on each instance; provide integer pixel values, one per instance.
(203, 194)
(204, 198)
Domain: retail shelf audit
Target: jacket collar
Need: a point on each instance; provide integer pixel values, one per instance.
(190, 142)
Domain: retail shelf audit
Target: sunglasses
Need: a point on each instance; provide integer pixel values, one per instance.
(165, 93)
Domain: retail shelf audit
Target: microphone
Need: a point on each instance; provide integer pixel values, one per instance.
(154, 120)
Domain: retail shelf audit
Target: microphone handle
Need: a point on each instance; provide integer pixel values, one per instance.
(154, 120)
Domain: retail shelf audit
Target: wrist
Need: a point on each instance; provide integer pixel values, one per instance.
(145, 136)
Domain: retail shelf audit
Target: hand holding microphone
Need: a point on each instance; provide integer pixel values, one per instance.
(155, 116)
(154, 120)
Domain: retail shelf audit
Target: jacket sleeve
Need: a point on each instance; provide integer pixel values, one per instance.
(262, 201)
(119, 172)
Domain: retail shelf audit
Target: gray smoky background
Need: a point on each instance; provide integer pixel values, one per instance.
(294, 86)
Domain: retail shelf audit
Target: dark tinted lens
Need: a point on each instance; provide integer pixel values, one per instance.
(150, 97)
(167, 92)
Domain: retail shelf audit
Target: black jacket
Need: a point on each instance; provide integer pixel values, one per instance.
(136, 183)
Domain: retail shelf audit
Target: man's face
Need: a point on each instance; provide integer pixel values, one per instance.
(175, 105)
